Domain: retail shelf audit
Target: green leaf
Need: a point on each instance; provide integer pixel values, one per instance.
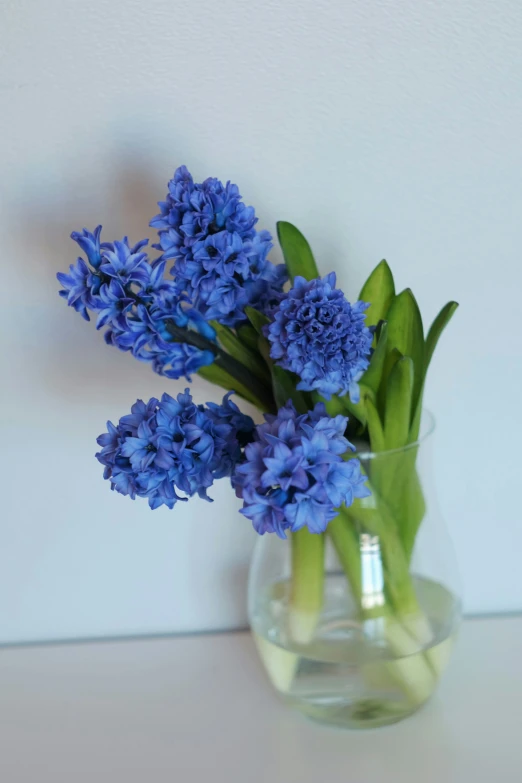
(413, 506)
(405, 333)
(283, 384)
(334, 406)
(379, 291)
(377, 466)
(357, 409)
(436, 329)
(248, 336)
(233, 345)
(372, 377)
(399, 393)
(220, 377)
(264, 349)
(298, 256)
(345, 407)
(257, 319)
(387, 472)
(375, 430)
(392, 357)
(415, 424)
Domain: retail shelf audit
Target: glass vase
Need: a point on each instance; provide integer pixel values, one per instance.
(355, 626)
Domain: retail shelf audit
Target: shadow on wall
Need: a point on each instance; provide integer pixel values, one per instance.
(72, 359)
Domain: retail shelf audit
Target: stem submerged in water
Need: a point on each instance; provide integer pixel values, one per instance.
(305, 602)
(378, 572)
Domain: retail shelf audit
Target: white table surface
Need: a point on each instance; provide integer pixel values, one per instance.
(199, 709)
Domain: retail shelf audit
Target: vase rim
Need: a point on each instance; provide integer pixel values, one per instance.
(428, 424)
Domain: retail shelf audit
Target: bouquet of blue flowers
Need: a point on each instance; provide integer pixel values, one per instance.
(332, 378)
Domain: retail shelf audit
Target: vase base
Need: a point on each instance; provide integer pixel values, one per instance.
(363, 714)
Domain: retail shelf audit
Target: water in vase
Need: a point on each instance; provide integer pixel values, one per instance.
(339, 670)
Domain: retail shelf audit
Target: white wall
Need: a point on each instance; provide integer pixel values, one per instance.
(381, 129)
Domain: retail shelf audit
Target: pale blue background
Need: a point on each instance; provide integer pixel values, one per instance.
(381, 129)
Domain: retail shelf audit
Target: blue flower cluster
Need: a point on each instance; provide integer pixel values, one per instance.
(317, 334)
(220, 259)
(173, 444)
(134, 300)
(294, 475)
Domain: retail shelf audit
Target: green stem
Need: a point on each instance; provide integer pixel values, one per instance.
(238, 350)
(226, 362)
(307, 583)
(219, 377)
(387, 605)
(347, 547)
(379, 522)
(345, 531)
